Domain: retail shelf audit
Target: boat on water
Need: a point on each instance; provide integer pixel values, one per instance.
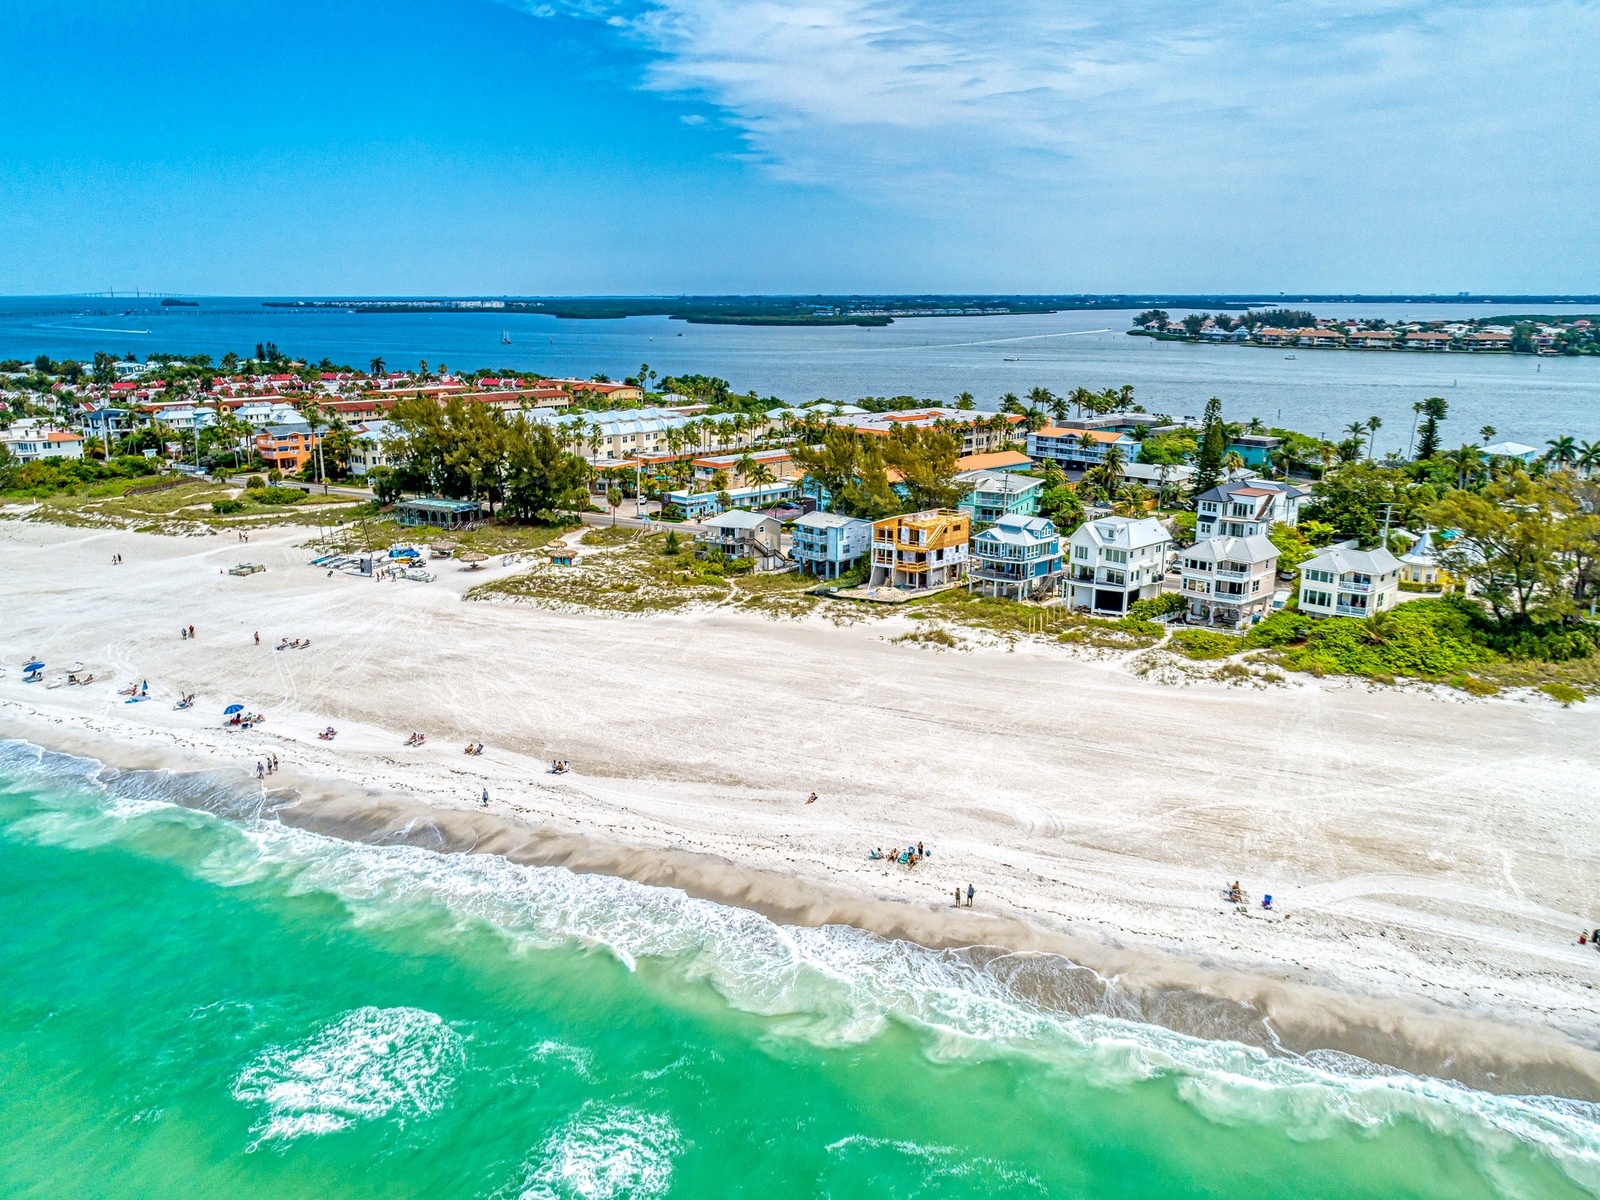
(1291, 356)
(1012, 358)
(505, 337)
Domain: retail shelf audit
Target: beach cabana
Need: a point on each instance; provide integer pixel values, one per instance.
(439, 512)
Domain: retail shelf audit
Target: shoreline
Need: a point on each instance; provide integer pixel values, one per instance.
(1150, 987)
(1431, 863)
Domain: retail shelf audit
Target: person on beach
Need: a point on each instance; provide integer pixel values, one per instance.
(183, 633)
(260, 770)
(811, 799)
(191, 631)
(958, 895)
(969, 895)
(485, 800)
(274, 763)
(258, 637)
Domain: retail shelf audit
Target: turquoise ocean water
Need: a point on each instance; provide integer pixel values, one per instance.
(200, 1005)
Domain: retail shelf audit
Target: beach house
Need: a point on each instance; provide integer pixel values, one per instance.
(1344, 581)
(286, 447)
(920, 550)
(1018, 556)
(29, 442)
(1115, 561)
(746, 535)
(828, 544)
(1516, 450)
(997, 494)
(367, 446)
(1245, 508)
(1229, 580)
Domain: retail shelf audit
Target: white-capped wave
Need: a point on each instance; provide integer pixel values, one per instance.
(372, 1062)
(604, 1152)
(839, 984)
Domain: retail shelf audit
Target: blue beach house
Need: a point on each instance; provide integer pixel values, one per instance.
(1018, 556)
(828, 544)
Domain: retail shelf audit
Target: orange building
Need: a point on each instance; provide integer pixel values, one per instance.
(287, 447)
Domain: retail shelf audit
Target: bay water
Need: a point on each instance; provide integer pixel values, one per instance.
(197, 1000)
(1318, 392)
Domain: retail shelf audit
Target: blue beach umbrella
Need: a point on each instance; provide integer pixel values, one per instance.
(231, 709)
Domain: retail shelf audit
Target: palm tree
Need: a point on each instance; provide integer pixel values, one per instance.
(1416, 413)
(1589, 457)
(1486, 434)
(1358, 434)
(1257, 425)
(1033, 419)
(377, 366)
(1563, 450)
(1233, 462)
(1373, 425)
(1041, 398)
(759, 475)
(964, 401)
(1010, 404)
(1082, 399)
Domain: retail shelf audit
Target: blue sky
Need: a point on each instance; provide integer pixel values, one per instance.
(666, 146)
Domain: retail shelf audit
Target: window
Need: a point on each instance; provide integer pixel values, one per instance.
(1255, 586)
(1320, 576)
(1208, 506)
(1080, 552)
(1117, 556)
(1316, 599)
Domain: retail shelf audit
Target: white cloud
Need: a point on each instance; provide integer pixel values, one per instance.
(1306, 110)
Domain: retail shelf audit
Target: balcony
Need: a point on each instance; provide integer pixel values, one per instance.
(1350, 585)
(1222, 574)
(1351, 610)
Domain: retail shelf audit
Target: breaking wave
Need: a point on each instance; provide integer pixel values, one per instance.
(396, 1063)
(831, 985)
(604, 1152)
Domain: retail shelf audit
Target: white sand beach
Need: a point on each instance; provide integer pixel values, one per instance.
(1432, 859)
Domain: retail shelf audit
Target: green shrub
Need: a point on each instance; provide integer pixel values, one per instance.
(278, 495)
(1202, 644)
(255, 481)
(1472, 685)
(223, 507)
(1424, 637)
(1157, 606)
(1565, 694)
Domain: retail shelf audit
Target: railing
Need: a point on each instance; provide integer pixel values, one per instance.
(1221, 574)
(1351, 610)
(1350, 585)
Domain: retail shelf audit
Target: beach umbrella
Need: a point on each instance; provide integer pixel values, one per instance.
(231, 709)
(474, 557)
(444, 547)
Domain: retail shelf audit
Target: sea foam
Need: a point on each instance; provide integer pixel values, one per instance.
(830, 985)
(373, 1062)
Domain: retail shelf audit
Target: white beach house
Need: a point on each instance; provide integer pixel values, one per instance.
(1245, 508)
(1229, 580)
(1345, 582)
(1115, 561)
